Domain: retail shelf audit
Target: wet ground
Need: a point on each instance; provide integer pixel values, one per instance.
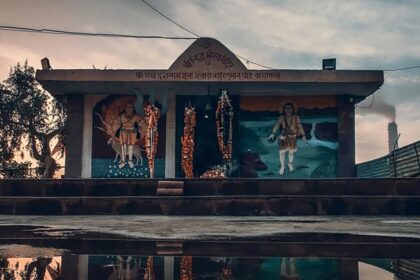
(332, 236)
(186, 247)
(213, 228)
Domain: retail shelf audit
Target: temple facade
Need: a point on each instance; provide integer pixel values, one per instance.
(210, 116)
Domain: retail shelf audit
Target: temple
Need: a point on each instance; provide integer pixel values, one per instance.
(322, 102)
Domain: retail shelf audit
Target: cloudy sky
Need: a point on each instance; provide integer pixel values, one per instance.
(294, 34)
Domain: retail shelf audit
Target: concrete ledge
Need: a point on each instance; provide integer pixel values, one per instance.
(202, 187)
(213, 205)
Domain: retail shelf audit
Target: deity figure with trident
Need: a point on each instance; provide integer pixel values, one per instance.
(291, 128)
(128, 133)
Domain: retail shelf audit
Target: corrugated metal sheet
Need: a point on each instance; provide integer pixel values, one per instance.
(406, 269)
(403, 162)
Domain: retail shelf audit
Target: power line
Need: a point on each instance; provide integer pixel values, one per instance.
(195, 34)
(368, 106)
(255, 63)
(401, 69)
(160, 13)
(387, 70)
(118, 35)
(77, 33)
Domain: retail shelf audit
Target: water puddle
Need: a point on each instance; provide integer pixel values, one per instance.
(113, 267)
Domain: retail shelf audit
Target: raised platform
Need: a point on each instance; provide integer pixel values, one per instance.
(212, 197)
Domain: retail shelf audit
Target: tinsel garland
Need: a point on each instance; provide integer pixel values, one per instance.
(149, 274)
(216, 173)
(152, 115)
(187, 141)
(224, 109)
(186, 268)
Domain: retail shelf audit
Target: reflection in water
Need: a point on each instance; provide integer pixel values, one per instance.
(200, 268)
(371, 272)
(149, 273)
(288, 269)
(30, 268)
(186, 268)
(125, 268)
(226, 273)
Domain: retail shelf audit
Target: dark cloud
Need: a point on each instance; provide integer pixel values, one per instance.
(377, 105)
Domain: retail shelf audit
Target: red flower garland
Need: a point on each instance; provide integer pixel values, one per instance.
(224, 108)
(186, 268)
(152, 115)
(149, 274)
(187, 142)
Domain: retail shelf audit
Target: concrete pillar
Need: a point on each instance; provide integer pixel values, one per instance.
(74, 136)
(89, 103)
(74, 267)
(170, 137)
(168, 268)
(346, 137)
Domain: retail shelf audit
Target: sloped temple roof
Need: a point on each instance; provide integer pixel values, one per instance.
(206, 63)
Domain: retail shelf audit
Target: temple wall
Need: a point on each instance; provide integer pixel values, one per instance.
(327, 122)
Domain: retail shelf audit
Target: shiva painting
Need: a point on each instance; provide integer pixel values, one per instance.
(119, 137)
(288, 137)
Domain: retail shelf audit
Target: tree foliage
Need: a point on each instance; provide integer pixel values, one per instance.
(30, 118)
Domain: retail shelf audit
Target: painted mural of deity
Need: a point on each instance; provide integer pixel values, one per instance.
(128, 133)
(122, 153)
(288, 137)
(290, 127)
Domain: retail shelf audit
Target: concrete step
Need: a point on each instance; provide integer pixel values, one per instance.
(201, 187)
(264, 205)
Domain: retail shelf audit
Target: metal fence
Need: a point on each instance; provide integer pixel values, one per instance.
(406, 269)
(403, 162)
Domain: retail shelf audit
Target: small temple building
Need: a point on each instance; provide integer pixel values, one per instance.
(209, 114)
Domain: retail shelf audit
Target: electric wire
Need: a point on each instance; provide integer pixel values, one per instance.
(255, 63)
(91, 34)
(368, 106)
(119, 35)
(241, 57)
(168, 18)
(195, 34)
(401, 69)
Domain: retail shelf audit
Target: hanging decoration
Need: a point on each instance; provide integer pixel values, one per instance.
(187, 141)
(152, 115)
(214, 173)
(186, 268)
(149, 274)
(224, 126)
